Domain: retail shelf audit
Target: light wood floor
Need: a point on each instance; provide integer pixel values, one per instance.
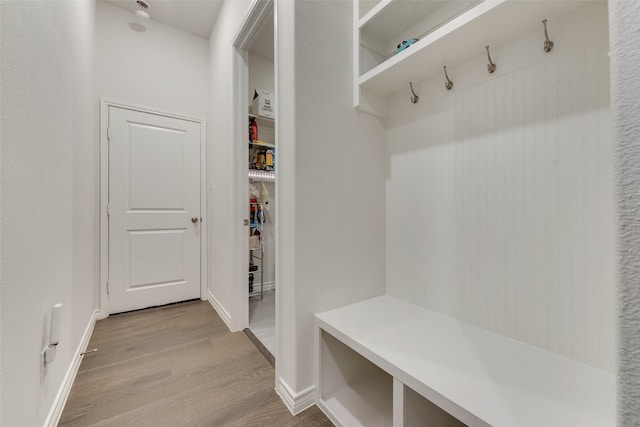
(176, 366)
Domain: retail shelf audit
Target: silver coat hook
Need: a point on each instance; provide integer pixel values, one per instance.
(491, 67)
(548, 44)
(448, 84)
(414, 97)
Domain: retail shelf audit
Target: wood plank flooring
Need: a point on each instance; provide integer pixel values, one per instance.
(176, 366)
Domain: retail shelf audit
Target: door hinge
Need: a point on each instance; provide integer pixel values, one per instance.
(108, 137)
(107, 287)
(108, 209)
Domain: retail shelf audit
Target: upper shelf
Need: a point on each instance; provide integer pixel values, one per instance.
(389, 18)
(267, 120)
(489, 22)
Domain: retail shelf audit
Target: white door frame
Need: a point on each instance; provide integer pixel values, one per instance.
(104, 197)
(259, 10)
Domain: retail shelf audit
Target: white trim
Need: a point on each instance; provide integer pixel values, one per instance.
(103, 300)
(296, 402)
(204, 218)
(105, 104)
(239, 291)
(65, 388)
(268, 286)
(224, 314)
(329, 414)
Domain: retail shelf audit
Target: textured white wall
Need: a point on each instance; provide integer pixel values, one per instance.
(332, 239)
(221, 154)
(162, 68)
(625, 104)
(49, 201)
(500, 193)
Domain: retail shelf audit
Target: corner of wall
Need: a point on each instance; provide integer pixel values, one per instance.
(624, 18)
(296, 402)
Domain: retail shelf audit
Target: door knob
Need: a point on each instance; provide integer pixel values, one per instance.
(194, 220)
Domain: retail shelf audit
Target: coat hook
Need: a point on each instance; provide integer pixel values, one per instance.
(548, 44)
(414, 97)
(448, 84)
(491, 67)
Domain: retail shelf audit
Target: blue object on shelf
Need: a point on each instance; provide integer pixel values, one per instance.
(405, 44)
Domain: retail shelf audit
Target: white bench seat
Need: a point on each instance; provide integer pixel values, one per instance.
(480, 377)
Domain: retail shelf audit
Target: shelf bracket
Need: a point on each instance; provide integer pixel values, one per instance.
(491, 67)
(414, 97)
(448, 84)
(548, 44)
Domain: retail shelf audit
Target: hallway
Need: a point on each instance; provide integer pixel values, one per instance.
(176, 365)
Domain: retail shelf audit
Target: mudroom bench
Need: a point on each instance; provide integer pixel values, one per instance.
(386, 362)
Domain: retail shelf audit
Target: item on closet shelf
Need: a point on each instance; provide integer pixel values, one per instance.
(254, 193)
(252, 209)
(260, 160)
(265, 196)
(254, 243)
(263, 103)
(405, 44)
(260, 218)
(253, 129)
(270, 159)
(250, 283)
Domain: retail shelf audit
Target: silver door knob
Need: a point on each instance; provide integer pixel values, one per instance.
(194, 219)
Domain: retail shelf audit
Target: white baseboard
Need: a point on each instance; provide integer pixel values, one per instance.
(332, 417)
(269, 286)
(224, 315)
(296, 402)
(63, 393)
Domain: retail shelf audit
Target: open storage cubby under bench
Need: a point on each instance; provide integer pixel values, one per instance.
(386, 362)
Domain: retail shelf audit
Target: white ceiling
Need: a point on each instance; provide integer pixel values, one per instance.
(193, 16)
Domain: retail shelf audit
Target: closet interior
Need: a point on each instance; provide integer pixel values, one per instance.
(261, 174)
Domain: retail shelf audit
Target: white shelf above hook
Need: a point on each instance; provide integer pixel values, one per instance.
(490, 22)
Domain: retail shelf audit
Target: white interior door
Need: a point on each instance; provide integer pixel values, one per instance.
(154, 209)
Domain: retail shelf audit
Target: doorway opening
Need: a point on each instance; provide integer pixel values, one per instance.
(256, 156)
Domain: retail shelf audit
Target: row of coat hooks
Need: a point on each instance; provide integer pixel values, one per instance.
(491, 66)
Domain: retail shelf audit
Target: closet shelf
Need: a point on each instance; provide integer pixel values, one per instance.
(490, 22)
(257, 142)
(264, 119)
(261, 175)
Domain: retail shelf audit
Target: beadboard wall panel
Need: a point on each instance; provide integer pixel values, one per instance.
(500, 193)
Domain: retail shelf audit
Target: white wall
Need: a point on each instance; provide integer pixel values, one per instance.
(331, 178)
(220, 154)
(500, 195)
(625, 103)
(162, 68)
(49, 209)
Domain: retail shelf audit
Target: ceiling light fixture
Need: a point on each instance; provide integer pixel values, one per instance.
(142, 13)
